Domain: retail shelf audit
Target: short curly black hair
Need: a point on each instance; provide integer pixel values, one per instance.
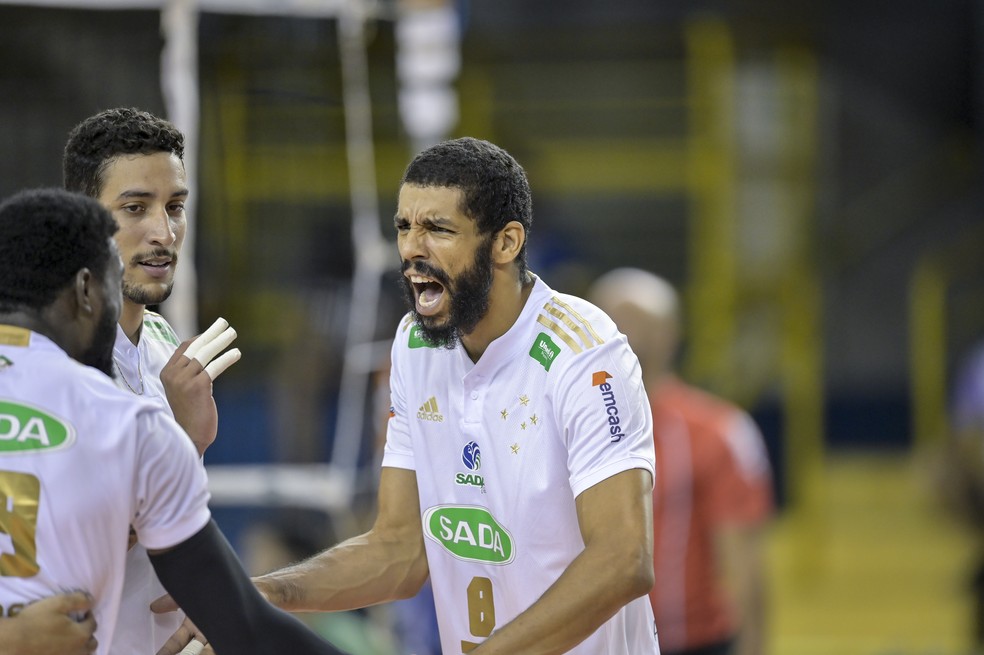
(110, 133)
(493, 184)
(46, 237)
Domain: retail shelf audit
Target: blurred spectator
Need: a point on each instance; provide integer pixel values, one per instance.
(713, 493)
(968, 397)
(961, 478)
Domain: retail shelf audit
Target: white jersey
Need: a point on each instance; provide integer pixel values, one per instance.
(138, 370)
(80, 462)
(502, 448)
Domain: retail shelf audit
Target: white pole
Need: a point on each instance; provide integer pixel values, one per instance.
(372, 252)
(179, 84)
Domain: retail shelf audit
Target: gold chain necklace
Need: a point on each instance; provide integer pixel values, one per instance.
(123, 377)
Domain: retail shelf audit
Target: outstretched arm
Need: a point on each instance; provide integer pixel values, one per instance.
(387, 563)
(205, 567)
(615, 567)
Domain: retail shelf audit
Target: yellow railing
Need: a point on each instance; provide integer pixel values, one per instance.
(935, 274)
(728, 291)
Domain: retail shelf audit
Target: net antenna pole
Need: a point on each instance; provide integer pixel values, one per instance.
(179, 86)
(372, 252)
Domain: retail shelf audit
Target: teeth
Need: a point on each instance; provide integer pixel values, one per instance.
(416, 279)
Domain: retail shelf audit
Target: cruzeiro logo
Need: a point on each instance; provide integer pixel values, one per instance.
(600, 380)
(469, 533)
(429, 412)
(471, 456)
(26, 429)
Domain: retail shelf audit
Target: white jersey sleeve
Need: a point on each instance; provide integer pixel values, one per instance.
(171, 498)
(398, 450)
(604, 412)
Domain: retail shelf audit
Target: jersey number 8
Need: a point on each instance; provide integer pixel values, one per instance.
(481, 611)
(20, 495)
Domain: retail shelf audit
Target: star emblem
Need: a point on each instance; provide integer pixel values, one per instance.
(524, 400)
(534, 419)
(505, 414)
(514, 448)
(522, 426)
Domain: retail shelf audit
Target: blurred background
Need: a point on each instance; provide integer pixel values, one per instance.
(807, 173)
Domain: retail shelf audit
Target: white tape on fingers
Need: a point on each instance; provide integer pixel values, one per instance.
(224, 361)
(215, 346)
(194, 647)
(206, 337)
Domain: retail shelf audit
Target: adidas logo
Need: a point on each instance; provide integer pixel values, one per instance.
(429, 411)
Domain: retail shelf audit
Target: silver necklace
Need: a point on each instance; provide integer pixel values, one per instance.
(126, 382)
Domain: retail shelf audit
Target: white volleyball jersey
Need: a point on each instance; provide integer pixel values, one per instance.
(80, 462)
(502, 448)
(138, 370)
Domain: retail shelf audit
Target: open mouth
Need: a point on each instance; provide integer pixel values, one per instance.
(428, 293)
(156, 266)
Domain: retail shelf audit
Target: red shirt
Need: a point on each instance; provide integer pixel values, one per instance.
(711, 470)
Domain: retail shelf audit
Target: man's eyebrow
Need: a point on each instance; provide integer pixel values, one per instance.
(139, 193)
(134, 193)
(431, 221)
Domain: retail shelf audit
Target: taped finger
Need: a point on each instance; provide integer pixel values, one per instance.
(217, 328)
(215, 346)
(224, 361)
(194, 647)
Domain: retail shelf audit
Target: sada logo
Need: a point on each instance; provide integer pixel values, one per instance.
(27, 429)
(471, 457)
(469, 533)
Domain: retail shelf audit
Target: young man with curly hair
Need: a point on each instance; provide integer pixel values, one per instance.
(132, 162)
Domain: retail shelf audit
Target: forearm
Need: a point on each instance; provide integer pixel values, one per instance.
(752, 607)
(362, 571)
(592, 589)
(242, 622)
(742, 560)
(12, 640)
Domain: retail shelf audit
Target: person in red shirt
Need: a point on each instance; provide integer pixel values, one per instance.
(713, 493)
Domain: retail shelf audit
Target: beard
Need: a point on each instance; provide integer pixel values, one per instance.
(140, 296)
(99, 354)
(468, 294)
(143, 296)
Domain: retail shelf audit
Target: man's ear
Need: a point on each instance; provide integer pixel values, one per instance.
(83, 290)
(509, 243)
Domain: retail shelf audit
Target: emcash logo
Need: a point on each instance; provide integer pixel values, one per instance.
(544, 350)
(600, 379)
(471, 457)
(28, 429)
(429, 411)
(469, 533)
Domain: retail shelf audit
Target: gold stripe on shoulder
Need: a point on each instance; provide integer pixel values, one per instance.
(580, 318)
(578, 330)
(559, 331)
(11, 335)
(407, 322)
